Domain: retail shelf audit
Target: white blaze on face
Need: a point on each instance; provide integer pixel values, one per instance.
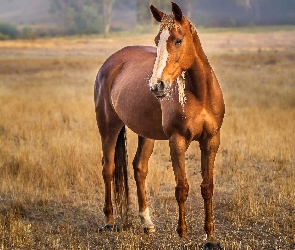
(162, 56)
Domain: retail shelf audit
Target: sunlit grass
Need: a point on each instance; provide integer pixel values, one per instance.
(51, 189)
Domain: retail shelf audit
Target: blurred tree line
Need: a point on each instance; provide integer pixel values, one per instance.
(217, 13)
(244, 12)
(79, 15)
(97, 16)
(86, 16)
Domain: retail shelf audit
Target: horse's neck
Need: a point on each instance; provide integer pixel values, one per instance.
(200, 73)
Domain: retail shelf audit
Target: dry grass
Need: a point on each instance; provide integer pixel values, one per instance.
(50, 174)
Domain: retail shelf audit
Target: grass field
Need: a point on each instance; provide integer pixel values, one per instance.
(51, 189)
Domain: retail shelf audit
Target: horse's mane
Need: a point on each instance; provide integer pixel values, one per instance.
(200, 50)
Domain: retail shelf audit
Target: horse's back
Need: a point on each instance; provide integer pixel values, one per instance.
(123, 84)
(131, 54)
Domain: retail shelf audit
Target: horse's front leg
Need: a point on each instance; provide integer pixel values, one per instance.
(140, 165)
(208, 152)
(178, 146)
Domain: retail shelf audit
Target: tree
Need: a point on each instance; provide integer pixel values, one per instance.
(247, 4)
(142, 11)
(107, 14)
(8, 31)
(79, 16)
(187, 6)
(89, 21)
(251, 6)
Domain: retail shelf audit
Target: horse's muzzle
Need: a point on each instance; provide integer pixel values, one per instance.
(160, 89)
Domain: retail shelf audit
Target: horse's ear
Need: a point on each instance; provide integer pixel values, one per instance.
(157, 14)
(177, 12)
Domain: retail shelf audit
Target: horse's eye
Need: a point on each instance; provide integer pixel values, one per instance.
(178, 42)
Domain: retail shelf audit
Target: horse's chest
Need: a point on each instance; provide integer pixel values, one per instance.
(188, 121)
(140, 111)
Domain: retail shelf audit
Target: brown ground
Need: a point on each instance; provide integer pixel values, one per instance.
(50, 174)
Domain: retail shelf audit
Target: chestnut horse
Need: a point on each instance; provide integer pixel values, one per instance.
(164, 93)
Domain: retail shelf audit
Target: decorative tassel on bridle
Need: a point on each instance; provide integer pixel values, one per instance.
(181, 88)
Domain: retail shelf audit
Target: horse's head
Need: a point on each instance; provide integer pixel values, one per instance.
(175, 49)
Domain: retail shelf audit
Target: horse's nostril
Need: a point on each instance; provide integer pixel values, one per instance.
(159, 89)
(160, 85)
(154, 88)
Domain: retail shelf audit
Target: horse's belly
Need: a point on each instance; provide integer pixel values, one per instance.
(142, 123)
(148, 131)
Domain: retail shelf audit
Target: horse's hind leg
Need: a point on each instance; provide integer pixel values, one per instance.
(109, 134)
(140, 165)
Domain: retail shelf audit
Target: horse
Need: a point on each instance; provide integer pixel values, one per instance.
(168, 92)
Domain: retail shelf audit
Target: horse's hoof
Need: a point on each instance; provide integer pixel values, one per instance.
(185, 239)
(148, 230)
(183, 235)
(212, 246)
(110, 228)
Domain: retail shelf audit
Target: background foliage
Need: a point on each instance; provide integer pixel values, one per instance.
(8, 31)
(50, 17)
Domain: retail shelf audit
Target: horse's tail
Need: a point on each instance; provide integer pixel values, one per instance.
(120, 181)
